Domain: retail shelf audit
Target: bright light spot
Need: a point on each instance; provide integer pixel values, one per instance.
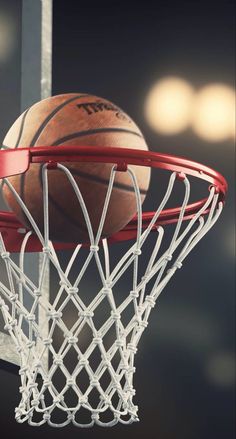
(233, 126)
(214, 113)
(168, 105)
(228, 240)
(7, 36)
(220, 369)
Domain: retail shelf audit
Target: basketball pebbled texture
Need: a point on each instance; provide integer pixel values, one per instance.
(76, 120)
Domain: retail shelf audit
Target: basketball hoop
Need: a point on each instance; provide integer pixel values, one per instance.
(40, 396)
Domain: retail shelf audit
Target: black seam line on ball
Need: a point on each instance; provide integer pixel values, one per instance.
(21, 128)
(60, 209)
(92, 132)
(20, 132)
(51, 115)
(100, 179)
(104, 181)
(22, 195)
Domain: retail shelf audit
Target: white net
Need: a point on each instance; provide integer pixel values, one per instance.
(99, 389)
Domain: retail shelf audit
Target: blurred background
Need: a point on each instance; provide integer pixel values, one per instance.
(171, 67)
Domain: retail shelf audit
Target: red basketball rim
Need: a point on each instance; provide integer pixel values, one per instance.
(17, 161)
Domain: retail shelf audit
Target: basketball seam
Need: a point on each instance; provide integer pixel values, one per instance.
(21, 128)
(41, 128)
(71, 220)
(92, 132)
(51, 115)
(22, 194)
(103, 181)
(57, 206)
(61, 140)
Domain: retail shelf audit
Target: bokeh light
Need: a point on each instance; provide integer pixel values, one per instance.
(168, 105)
(220, 369)
(228, 240)
(213, 117)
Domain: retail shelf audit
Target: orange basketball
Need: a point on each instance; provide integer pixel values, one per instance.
(81, 120)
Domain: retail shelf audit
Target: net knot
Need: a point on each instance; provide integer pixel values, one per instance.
(47, 341)
(151, 301)
(106, 362)
(95, 417)
(46, 417)
(115, 315)
(35, 402)
(135, 410)
(143, 324)
(58, 361)
(83, 361)
(73, 291)
(128, 369)
(119, 343)
(30, 317)
(94, 382)
(117, 415)
(178, 264)
(106, 291)
(117, 385)
(131, 390)
(168, 257)
(134, 294)
(54, 314)
(62, 283)
(13, 297)
(70, 417)
(46, 250)
(105, 400)
(5, 255)
(131, 347)
(83, 400)
(18, 412)
(23, 370)
(10, 325)
(97, 340)
(37, 293)
(137, 252)
(94, 248)
(70, 382)
(33, 386)
(72, 340)
(86, 313)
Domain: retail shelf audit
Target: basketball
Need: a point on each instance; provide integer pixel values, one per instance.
(76, 120)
